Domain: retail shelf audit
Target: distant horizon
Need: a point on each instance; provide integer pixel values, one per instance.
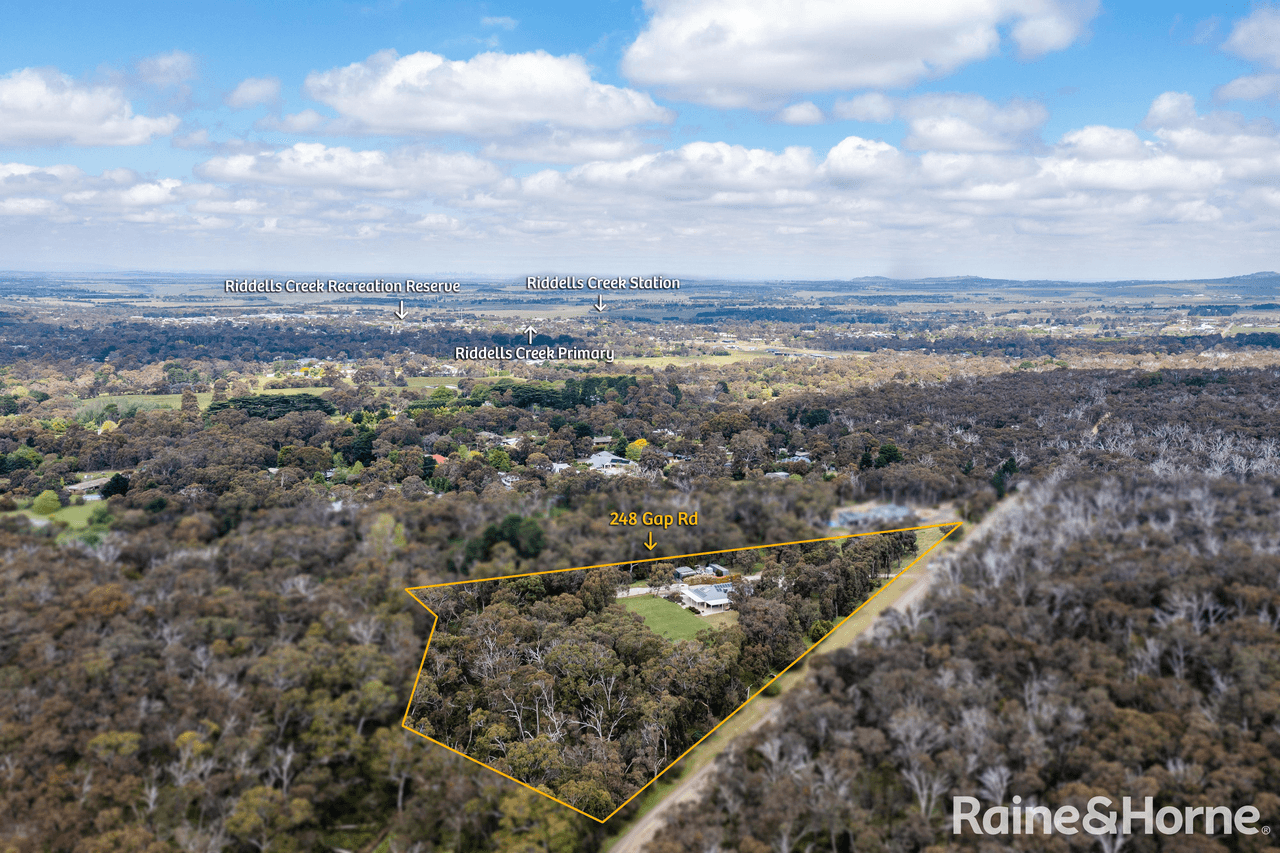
(454, 274)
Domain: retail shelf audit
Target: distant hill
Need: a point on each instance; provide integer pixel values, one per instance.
(128, 285)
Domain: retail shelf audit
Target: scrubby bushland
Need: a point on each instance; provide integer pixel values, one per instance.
(1109, 636)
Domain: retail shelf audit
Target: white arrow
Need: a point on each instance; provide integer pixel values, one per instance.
(401, 313)
(532, 331)
(599, 306)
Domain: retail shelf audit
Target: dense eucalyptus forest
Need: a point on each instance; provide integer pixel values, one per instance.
(549, 679)
(217, 655)
(1117, 635)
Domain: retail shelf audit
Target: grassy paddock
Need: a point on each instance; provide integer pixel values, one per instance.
(417, 382)
(670, 620)
(174, 401)
(76, 517)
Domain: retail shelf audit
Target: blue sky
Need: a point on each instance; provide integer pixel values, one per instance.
(1022, 138)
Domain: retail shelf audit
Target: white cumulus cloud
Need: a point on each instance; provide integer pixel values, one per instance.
(166, 69)
(561, 146)
(758, 53)
(963, 122)
(707, 166)
(1171, 109)
(1257, 37)
(715, 173)
(1098, 142)
(253, 91)
(27, 207)
(1160, 172)
(1251, 87)
(22, 178)
(872, 106)
(132, 195)
(301, 122)
(198, 138)
(858, 159)
(805, 112)
(114, 195)
(41, 106)
(492, 93)
(312, 164)
(1184, 194)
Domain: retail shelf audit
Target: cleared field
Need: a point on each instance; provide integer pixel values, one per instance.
(670, 620)
(144, 401)
(174, 401)
(430, 381)
(77, 517)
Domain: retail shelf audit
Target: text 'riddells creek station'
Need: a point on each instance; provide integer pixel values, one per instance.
(635, 282)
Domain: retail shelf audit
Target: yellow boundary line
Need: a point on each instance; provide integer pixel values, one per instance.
(435, 619)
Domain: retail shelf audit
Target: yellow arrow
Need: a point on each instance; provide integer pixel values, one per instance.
(651, 544)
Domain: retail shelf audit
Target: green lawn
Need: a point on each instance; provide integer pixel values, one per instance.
(670, 620)
(77, 517)
(720, 620)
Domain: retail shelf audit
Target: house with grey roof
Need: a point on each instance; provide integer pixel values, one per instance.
(608, 463)
(707, 598)
(85, 487)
